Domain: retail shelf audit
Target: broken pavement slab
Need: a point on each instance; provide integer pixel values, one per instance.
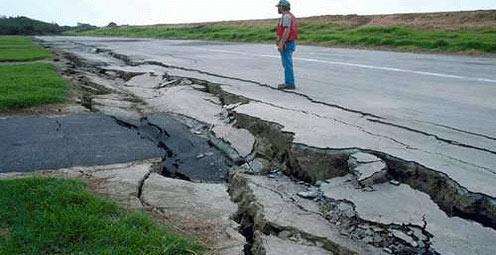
(272, 245)
(203, 107)
(185, 100)
(328, 133)
(401, 205)
(272, 206)
(364, 158)
(204, 208)
(182, 149)
(368, 168)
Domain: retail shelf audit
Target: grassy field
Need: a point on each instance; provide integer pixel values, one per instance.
(475, 40)
(30, 84)
(55, 216)
(27, 84)
(17, 48)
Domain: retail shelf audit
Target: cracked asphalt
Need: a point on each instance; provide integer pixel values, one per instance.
(92, 139)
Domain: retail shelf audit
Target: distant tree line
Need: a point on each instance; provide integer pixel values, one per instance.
(27, 26)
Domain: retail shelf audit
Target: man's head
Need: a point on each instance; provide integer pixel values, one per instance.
(283, 6)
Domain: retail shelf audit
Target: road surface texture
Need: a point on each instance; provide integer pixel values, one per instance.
(51, 143)
(375, 152)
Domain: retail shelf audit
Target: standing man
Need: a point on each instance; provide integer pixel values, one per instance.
(287, 34)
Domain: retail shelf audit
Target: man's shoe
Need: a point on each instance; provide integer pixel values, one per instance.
(284, 86)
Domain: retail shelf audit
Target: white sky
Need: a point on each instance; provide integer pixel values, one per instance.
(144, 12)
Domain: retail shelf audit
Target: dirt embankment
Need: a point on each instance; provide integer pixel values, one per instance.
(439, 20)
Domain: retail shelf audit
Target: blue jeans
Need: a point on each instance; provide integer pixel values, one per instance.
(287, 63)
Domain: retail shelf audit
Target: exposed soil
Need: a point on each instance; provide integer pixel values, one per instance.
(43, 110)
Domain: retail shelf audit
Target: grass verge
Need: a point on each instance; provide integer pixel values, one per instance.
(58, 216)
(30, 84)
(482, 40)
(17, 48)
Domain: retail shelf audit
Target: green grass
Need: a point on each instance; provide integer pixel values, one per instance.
(56, 216)
(17, 48)
(29, 85)
(403, 38)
